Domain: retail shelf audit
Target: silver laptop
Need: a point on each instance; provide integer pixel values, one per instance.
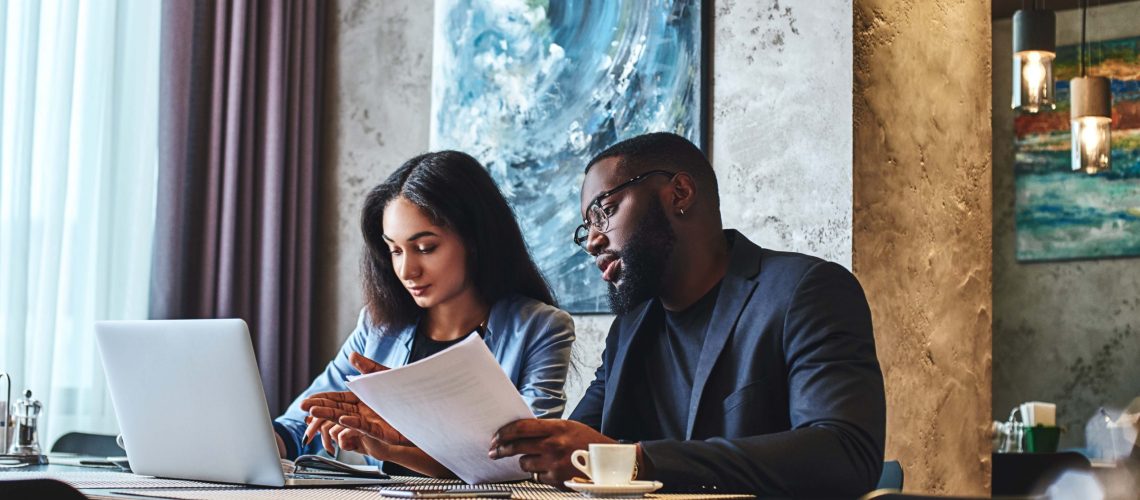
(190, 404)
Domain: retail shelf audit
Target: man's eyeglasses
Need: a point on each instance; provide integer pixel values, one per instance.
(598, 218)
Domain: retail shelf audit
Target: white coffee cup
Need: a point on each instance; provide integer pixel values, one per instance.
(606, 464)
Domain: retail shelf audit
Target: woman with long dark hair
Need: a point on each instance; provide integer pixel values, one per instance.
(444, 259)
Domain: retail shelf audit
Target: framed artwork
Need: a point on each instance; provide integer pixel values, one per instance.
(535, 88)
(1060, 214)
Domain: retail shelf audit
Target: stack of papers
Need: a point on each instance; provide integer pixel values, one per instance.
(450, 405)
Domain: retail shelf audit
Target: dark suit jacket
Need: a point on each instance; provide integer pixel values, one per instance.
(787, 397)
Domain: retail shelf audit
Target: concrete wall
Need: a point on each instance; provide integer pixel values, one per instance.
(922, 229)
(781, 130)
(781, 135)
(1063, 331)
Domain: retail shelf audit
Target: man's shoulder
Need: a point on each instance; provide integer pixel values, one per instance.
(788, 260)
(779, 273)
(785, 271)
(751, 261)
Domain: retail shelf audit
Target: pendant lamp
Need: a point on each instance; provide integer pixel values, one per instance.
(1091, 115)
(1034, 49)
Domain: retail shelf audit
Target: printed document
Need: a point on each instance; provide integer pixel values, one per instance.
(450, 405)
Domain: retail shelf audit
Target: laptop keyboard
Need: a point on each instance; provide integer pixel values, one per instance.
(323, 477)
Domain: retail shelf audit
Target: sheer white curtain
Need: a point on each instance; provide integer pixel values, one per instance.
(78, 153)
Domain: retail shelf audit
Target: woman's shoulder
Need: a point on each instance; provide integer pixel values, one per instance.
(519, 311)
(369, 330)
(530, 325)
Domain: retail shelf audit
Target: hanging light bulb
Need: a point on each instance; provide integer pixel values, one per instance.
(1092, 120)
(1034, 49)
(1091, 114)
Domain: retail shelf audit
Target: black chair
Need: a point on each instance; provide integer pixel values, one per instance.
(38, 488)
(81, 443)
(892, 477)
(1032, 473)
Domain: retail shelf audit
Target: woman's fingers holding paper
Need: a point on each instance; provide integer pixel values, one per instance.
(365, 365)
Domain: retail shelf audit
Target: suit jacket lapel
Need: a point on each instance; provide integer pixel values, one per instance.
(616, 375)
(735, 291)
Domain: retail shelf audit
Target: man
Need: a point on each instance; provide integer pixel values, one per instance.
(734, 368)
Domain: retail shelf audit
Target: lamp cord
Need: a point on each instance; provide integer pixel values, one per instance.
(1084, 46)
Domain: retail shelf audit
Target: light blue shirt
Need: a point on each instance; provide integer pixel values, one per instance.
(530, 340)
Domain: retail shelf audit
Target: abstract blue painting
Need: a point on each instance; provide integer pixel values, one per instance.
(535, 88)
(1062, 215)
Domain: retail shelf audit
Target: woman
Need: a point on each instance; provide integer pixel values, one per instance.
(445, 259)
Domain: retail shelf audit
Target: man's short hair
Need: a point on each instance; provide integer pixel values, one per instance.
(664, 151)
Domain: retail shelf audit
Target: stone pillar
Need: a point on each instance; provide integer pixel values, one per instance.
(921, 232)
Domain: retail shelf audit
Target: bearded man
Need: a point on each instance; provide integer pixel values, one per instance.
(732, 367)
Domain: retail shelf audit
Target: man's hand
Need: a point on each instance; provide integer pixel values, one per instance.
(545, 446)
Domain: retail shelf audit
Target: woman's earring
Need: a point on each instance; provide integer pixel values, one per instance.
(682, 211)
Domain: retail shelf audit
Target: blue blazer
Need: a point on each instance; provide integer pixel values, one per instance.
(530, 340)
(787, 396)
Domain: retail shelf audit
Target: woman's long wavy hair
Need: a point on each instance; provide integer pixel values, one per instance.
(456, 192)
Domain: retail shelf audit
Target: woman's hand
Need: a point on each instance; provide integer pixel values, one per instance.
(355, 440)
(343, 418)
(333, 414)
(327, 430)
(409, 456)
(345, 410)
(324, 421)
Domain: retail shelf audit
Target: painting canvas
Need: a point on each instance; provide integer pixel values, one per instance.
(1062, 214)
(535, 88)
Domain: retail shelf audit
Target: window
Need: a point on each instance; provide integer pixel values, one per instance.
(78, 159)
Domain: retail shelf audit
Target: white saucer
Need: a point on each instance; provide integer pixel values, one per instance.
(634, 488)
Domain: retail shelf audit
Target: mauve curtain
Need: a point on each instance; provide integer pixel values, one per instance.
(239, 129)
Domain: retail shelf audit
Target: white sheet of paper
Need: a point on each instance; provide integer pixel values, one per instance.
(450, 405)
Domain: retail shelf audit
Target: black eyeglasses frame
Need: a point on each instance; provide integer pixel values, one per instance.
(582, 232)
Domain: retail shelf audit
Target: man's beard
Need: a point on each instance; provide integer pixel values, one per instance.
(643, 261)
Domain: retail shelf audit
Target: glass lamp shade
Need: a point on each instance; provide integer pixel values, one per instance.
(1034, 49)
(1092, 146)
(1092, 123)
(1033, 87)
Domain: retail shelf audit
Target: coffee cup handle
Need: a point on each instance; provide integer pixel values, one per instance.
(580, 459)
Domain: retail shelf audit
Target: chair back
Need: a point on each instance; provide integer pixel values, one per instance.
(892, 477)
(81, 443)
(39, 488)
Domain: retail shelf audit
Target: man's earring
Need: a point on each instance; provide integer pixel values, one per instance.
(682, 211)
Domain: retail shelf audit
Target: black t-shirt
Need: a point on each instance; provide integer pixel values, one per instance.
(423, 347)
(669, 364)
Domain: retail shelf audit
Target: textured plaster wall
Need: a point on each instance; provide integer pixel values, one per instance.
(782, 124)
(781, 135)
(921, 232)
(1067, 332)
